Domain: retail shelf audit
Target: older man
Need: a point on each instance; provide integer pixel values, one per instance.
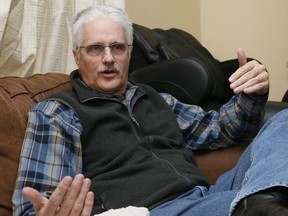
(135, 146)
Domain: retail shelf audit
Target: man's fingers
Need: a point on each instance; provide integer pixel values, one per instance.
(242, 73)
(250, 78)
(68, 201)
(242, 59)
(74, 200)
(56, 199)
(89, 200)
(71, 197)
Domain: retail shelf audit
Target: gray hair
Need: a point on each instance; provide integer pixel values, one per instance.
(97, 12)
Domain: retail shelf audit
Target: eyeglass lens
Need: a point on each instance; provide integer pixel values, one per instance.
(98, 49)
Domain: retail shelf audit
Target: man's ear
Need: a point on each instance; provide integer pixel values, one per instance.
(76, 56)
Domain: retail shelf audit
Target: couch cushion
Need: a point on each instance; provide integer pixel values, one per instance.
(17, 95)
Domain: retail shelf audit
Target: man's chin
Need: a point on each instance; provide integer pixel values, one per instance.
(111, 89)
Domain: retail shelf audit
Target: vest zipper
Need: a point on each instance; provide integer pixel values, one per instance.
(173, 167)
(133, 119)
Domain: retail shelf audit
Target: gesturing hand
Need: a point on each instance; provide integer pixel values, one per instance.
(250, 77)
(71, 197)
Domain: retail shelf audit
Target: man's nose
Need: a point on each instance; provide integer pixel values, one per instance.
(107, 56)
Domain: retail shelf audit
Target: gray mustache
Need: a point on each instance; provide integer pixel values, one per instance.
(109, 68)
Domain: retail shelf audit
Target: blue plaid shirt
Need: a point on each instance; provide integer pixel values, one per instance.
(52, 143)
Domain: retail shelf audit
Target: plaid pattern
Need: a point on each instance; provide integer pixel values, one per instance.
(212, 130)
(52, 144)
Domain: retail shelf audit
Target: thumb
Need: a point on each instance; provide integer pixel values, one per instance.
(34, 196)
(242, 59)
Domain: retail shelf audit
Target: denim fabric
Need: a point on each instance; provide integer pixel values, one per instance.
(262, 165)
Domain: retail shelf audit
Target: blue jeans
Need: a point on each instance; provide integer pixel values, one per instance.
(262, 165)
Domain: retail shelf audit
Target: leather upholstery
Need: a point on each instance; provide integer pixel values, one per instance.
(17, 95)
(188, 70)
(152, 46)
(170, 77)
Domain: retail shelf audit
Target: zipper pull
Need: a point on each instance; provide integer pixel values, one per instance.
(134, 120)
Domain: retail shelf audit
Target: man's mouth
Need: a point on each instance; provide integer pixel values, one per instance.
(108, 73)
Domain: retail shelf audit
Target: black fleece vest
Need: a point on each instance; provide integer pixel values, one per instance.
(133, 158)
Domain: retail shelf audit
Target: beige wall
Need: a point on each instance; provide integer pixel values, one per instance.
(258, 26)
(183, 14)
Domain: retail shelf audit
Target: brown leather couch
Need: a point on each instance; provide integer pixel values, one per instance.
(17, 95)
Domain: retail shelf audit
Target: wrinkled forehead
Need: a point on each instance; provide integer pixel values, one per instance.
(103, 30)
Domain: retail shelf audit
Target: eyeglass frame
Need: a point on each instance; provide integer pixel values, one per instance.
(103, 47)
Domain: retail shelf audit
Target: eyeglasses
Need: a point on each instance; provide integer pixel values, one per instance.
(116, 49)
